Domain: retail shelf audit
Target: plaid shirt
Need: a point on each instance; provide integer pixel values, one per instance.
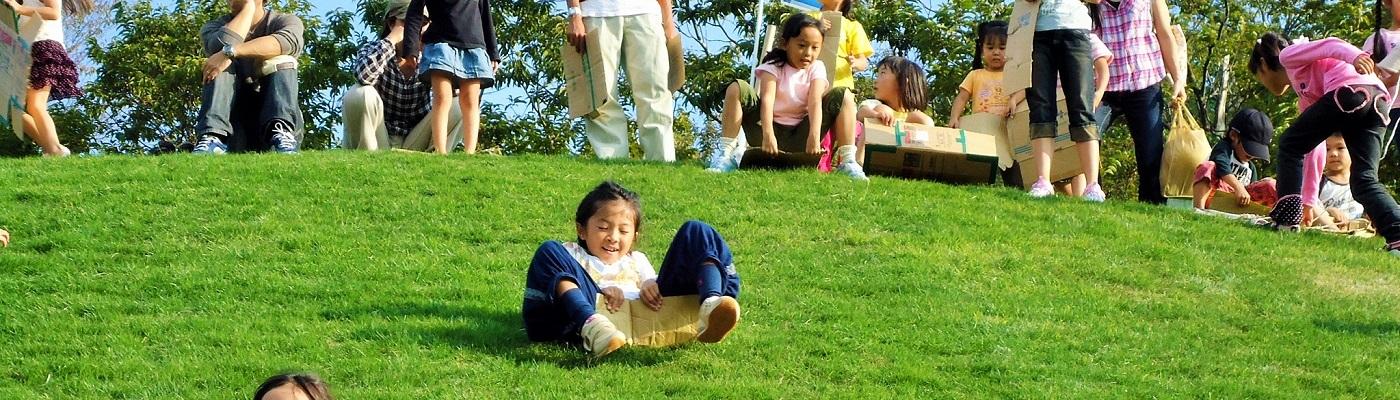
(406, 99)
(1129, 32)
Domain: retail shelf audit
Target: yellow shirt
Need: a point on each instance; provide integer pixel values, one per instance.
(854, 43)
(986, 90)
(901, 116)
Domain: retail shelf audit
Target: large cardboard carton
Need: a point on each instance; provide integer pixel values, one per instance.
(677, 322)
(994, 125)
(1019, 43)
(1064, 163)
(584, 81)
(14, 72)
(930, 152)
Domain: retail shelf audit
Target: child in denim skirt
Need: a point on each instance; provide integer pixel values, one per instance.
(458, 52)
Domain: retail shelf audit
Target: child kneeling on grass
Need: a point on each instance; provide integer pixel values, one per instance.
(1228, 169)
(792, 105)
(564, 279)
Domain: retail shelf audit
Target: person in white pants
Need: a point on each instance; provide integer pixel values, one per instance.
(638, 29)
(388, 109)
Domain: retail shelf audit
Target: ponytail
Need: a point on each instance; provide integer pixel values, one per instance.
(1378, 46)
(1266, 51)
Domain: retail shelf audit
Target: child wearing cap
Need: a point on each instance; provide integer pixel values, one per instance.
(1228, 169)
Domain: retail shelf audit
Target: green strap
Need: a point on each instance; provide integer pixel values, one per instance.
(962, 138)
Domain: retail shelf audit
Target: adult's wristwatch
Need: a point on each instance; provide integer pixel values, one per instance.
(228, 52)
(575, 11)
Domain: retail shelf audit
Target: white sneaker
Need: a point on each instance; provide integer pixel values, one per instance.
(1041, 188)
(852, 170)
(1095, 194)
(718, 316)
(600, 336)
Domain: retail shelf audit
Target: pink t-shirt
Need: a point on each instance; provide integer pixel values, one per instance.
(790, 103)
(1100, 50)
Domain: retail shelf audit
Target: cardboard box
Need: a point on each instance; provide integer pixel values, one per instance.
(1019, 43)
(677, 322)
(930, 152)
(1064, 163)
(994, 125)
(831, 42)
(14, 72)
(585, 84)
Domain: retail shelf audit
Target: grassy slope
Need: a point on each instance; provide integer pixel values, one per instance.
(399, 276)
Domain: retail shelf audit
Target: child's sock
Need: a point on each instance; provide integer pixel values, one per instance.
(846, 153)
(576, 306)
(709, 280)
(727, 145)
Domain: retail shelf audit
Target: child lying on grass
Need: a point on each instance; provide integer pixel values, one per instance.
(564, 279)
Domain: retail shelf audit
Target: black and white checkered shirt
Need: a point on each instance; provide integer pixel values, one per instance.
(406, 99)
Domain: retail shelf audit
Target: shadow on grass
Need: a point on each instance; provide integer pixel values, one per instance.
(1370, 328)
(490, 331)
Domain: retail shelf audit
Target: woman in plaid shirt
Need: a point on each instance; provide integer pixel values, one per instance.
(1138, 32)
(388, 109)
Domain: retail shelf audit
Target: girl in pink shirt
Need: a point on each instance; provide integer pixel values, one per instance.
(1337, 91)
(785, 117)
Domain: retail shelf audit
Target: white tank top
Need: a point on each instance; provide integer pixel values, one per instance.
(36, 29)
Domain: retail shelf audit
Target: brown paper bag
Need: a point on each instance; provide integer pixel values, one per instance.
(677, 56)
(584, 81)
(678, 322)
(1185, 149)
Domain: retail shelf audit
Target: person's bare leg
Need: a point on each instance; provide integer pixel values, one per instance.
(44, 133)
(470, 98)
(1199, 193)
(1041, 151)
(1077, 185)
(733, 112)
(1089, 160)
(442, 101)
(845, 125)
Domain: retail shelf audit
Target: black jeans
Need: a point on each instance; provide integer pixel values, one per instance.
(1062, 56)
(242, 109)
(1359, 113)
(1143, 110)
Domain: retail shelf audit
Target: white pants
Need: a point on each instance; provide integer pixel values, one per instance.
(363, 118)
(642, 39)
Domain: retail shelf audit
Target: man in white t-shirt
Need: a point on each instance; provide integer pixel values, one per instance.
(639, 29)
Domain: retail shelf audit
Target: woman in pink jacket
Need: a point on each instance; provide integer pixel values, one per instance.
(1337, 91)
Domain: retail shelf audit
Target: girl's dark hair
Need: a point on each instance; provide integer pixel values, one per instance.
(987, 30)
(1266, 51)
(792, 27)
(1378, 47)
(605, 192)
(309, 384)
(910, 78)
(847, 5)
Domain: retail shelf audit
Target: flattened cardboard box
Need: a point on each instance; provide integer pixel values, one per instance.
(585, 84)
(1019, 43)
(1064, 163)
(831, 42)
(678, 321)
(930, 152)
(14, 72)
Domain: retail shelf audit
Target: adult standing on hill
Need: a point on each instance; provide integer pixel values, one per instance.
(252, 68)
(638, 30)
(1138, 32)
(388, 109)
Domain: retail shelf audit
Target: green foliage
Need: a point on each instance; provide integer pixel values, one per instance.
(146, 86)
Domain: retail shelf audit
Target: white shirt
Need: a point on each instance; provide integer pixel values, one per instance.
(1337, 195)
(35, 29)
(626, 274)
(619, 8)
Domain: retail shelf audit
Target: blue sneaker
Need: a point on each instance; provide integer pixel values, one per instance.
(726, 163)
(853, 170)
(283, 141)
(210, 144)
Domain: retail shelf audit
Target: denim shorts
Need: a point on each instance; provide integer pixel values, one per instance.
(461, 64)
